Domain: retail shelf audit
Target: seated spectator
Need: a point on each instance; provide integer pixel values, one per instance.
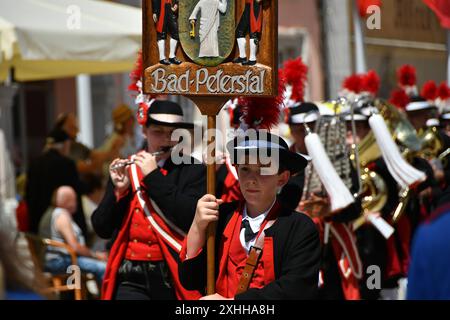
(62, 228)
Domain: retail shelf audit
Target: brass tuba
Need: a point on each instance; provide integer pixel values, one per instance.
(404, 135)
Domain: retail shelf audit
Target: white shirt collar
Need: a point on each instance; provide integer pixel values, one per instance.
(255, 223)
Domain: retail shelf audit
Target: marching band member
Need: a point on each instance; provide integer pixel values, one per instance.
(149, 203)
(341, 266)
(371, 243)
(265, 250)
(288, 265)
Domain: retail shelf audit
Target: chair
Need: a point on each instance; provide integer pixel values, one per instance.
(57, 283)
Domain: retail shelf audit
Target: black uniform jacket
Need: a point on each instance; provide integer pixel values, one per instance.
(176, 194)
(296, 258)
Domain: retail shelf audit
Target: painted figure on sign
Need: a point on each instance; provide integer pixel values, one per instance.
(165, 18)
(250, 23)
(209, 11)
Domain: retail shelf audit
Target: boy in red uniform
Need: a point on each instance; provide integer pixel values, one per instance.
(147, 207)
(284, 244)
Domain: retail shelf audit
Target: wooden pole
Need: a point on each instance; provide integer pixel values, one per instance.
(210, 107)
(211, 231)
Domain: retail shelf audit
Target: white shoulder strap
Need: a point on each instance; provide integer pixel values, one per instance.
(176, 244)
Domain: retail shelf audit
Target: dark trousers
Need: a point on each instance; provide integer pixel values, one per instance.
(170, 25)
(143, 280)
(243, 27)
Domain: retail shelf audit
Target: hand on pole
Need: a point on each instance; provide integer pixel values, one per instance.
(207, 211)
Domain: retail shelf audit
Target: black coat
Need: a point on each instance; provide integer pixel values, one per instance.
(292, 192)
(156, 5)
(296, 258)
(45, 174)
(176, 194)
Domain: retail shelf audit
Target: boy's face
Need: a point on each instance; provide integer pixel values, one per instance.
(159, 137)
(259, 189)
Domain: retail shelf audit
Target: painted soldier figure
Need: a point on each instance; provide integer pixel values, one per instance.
(165, 18)
(250, 23)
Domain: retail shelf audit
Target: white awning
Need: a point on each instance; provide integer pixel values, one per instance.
(46, 39)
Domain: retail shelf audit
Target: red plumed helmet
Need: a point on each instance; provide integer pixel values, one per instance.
(363, 5)
(429, 91)
(371, 82)
(443, 91)
(406, 75)
(296, 73)
(136, 73)
(399, 98)
(263, 113)
(353, 83)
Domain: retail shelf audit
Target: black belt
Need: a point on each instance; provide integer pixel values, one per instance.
(144, 272)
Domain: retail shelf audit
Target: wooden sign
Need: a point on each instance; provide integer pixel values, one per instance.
(210, 51)
(210, 47)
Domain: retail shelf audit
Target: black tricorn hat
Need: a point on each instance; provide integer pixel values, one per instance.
(166, 113)
(270, 145)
